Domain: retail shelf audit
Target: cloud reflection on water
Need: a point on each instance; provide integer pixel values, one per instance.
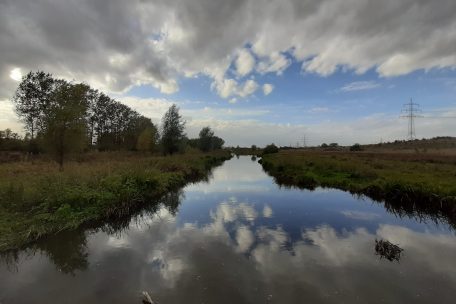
(322, 264)
(278, 246)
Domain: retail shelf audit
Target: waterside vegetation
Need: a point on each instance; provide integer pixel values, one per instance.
(109, 159)
(38, 199)
(416, 182)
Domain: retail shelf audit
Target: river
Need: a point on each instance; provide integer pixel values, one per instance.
(240, 238)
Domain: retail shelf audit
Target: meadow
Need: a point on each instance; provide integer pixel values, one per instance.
(36, 199)
(423, 183)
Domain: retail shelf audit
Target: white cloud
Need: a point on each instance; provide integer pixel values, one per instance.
(249, 130)
(228, 88)
(8, 117)
(156, 42)
(267, 88)
(244, 62)
(250, 86)
(274, 63)
(153, 108)
(360, 86)
(168, 87)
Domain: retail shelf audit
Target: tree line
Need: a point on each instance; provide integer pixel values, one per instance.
(11, 141)
(61, 117)
(57, 109)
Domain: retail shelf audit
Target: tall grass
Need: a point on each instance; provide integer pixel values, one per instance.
(36, 199)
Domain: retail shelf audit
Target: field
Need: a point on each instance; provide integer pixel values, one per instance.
(37, 200)
(408, 181)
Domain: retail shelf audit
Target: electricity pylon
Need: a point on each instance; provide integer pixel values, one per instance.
(410, 111)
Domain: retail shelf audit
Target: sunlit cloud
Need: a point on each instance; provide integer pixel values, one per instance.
(267, 88)
(16, 74)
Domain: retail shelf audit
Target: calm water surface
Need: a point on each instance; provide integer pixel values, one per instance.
(240, 238)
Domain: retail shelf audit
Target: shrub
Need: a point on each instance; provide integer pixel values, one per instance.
(356, 147)
(269, 149)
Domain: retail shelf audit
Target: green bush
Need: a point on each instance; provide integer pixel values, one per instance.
(356, 147)
(269, 149)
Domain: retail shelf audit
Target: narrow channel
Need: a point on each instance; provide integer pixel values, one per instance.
(240, 238)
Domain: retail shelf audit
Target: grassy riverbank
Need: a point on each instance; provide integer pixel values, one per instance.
(37, 200)
(416, 178)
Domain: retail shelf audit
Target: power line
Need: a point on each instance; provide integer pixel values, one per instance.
(410, 111)
(438, 117)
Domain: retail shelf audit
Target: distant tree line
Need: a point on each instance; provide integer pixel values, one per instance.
(10, 141)
(61, 117)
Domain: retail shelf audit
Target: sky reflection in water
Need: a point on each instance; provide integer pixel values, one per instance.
(242, 239)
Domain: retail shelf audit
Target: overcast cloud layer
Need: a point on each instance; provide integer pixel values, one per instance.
(115, 45)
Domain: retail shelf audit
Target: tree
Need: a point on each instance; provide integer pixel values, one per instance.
(92, 98)
(65, 125)
(146, 140)
(205, 139)
(100, 117)
(217, 142)
(269, 149)
(8, 133)
(193, 143)
(139, 129)
(32, 98)
(356, 147)
(109, 124)
(172, 130)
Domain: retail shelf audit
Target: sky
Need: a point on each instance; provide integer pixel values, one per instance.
(292, 72)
